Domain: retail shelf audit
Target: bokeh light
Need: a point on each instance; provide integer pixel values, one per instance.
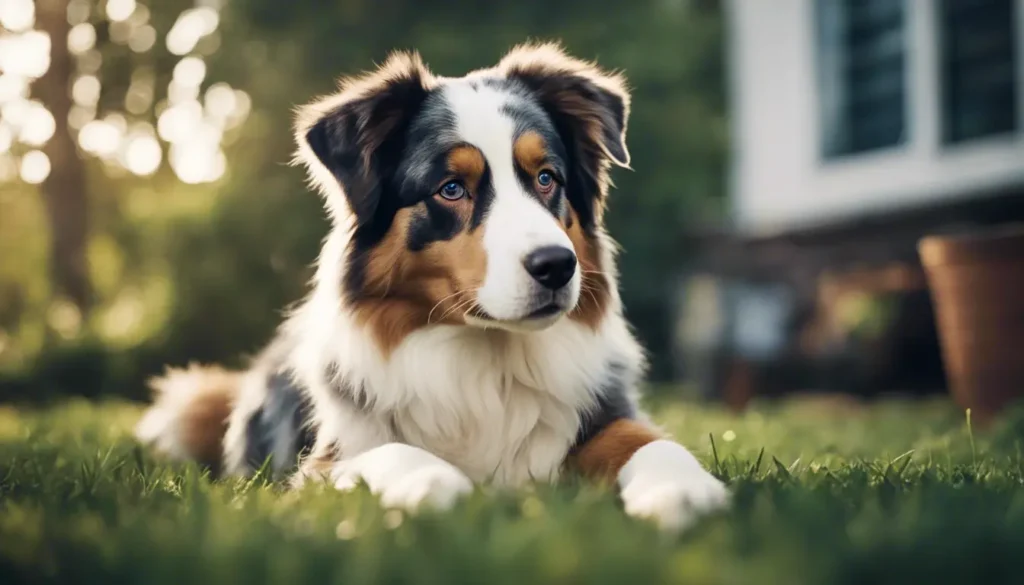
(197, 162)
(142, 38)
(79, 116)
(179, 92)
(26, 54)
(190, 123)
(190, 27)
(190, 71)
(99, 137)
(140, 16)
(12, 87)
(85, 91)
(220, 101)
(81, 38)
(139, 97)
(179, 121)
(142, 155)
(120, 10)
(78, 11)
(120, 32)
(242, 106)
(17, 15)
(14, 111)
(35, 167)
(37, 125)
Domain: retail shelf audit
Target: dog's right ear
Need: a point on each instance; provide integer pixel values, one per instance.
(353, 139)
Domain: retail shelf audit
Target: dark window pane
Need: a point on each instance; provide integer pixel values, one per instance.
(978, 67)
(862, 74)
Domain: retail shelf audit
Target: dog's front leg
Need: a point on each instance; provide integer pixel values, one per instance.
(403, 476)
(658, 478)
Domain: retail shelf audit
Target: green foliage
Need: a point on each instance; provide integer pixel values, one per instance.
(671, 52)
(203, 272)
(889, 494)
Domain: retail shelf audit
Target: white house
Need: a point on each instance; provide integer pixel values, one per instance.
(855, 107)
(858, 126)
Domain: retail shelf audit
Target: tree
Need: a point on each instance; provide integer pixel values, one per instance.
(87, 82)
(63, 189)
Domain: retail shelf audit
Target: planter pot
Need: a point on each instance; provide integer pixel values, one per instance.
(977, 287)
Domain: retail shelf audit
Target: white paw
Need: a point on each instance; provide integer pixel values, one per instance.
(438, 487)
(663, 482)
(675, 505)
(404, 477)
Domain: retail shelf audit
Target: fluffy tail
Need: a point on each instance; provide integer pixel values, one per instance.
(189, 414)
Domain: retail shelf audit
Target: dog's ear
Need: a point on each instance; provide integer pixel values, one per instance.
(590, 110)
(596, 101)
(357, 135)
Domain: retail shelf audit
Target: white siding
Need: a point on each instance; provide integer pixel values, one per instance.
(778, 180)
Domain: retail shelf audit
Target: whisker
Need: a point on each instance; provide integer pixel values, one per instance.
(464, 307)
(458, 306)
(438, 304)
(591, 292)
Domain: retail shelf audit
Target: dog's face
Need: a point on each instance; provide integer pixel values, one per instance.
(474, 200)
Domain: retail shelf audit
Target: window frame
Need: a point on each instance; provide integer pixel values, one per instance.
(829, 46)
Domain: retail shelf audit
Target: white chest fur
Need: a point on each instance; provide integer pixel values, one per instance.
(502, 407)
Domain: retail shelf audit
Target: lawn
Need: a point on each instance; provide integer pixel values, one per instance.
(897, 492)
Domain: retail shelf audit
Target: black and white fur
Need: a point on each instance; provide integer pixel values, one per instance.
(500, 397)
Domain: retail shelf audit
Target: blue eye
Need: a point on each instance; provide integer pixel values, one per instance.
(545, 179)
(452, 190)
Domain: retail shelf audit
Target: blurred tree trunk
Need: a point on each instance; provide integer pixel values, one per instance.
(64, 190)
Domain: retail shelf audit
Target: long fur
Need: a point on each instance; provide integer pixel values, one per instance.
(502, 405)
(189, 416)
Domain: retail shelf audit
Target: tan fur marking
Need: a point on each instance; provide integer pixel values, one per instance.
(389, 316)
(594, 286)
(387, 260)
(531, 152)
(206, 423)
(467, 163)
(602, 457)
(204, 417)
(408, 290)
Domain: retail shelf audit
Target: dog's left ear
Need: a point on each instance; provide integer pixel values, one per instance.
(581, 94)
(590, 110)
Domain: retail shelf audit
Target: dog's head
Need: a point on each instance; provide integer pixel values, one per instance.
(475, 200)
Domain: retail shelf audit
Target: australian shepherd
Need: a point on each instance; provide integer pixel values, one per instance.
(464, 324)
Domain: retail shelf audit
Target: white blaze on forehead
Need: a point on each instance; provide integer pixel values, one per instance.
(516, 223)
(480, 121)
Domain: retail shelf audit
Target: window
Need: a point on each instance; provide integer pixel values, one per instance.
(861, 74)
(978, 68)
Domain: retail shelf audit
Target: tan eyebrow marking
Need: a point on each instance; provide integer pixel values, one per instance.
(531, 152)
(467, 162)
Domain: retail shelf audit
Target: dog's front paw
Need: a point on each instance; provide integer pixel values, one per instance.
(405, 477)
(437, 486)
(665, 483)
(675, 504)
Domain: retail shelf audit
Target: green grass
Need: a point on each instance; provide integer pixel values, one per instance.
(896, 493)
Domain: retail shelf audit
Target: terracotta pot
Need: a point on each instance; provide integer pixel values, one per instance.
(977, 287)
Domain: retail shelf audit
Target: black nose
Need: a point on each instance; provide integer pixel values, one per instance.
(552, 266)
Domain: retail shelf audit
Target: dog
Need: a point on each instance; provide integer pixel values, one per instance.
(464, 323)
